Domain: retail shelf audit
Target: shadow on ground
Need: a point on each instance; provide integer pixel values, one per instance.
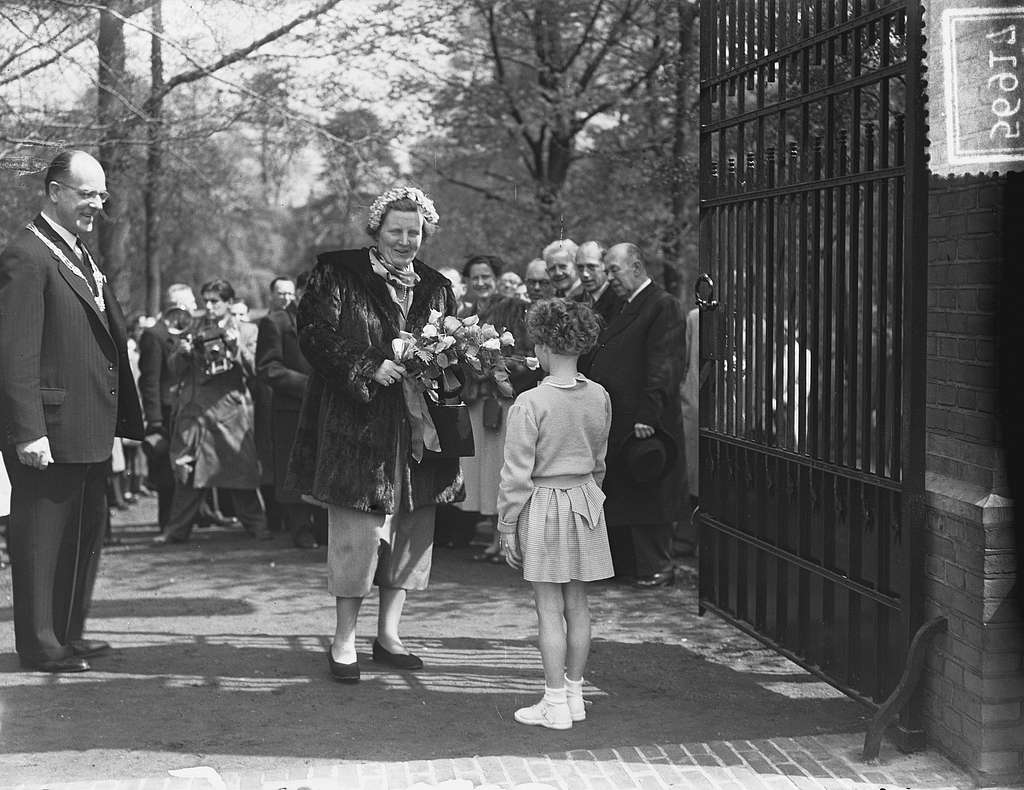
(220, 651)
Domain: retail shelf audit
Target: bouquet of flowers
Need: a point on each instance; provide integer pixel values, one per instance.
(446, 341)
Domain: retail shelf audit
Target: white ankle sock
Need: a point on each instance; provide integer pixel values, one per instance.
(554, 695)
(574, 698)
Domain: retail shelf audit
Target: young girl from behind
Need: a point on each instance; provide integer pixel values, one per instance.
(550, 514)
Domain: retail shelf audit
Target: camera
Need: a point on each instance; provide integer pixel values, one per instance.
(211, 344)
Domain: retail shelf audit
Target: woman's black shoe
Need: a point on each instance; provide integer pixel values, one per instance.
(343, 673)
(395, 660)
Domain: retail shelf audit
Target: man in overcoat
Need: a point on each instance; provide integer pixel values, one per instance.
(66, 390)
(156, 385)
(281, 365)
(212, 443)
(638, 360)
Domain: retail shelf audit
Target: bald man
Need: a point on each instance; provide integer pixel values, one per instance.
(638, 360)
(66, 390)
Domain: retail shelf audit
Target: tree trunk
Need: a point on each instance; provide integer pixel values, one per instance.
(113, 232)
(154, 165)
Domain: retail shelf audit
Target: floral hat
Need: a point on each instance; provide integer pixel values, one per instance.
(426, 206)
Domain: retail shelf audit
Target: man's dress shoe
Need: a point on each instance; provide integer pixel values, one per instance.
(663, 579)
(395, 660)
(343, 673)
(69, 664)
(86, 648)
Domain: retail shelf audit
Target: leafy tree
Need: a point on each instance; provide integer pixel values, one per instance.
(571, 118)
(540, 76)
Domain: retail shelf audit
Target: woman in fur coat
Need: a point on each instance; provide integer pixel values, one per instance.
(354, 450)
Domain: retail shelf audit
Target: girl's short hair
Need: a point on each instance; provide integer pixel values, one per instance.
(564, 326)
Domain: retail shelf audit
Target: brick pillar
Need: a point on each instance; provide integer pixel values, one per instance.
(974, 684)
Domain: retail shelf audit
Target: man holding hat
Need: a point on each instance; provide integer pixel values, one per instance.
(637, 359)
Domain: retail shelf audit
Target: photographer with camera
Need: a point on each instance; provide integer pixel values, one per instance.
(156, 382)
(212, 442)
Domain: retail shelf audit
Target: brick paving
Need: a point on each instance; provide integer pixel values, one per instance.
(821, 762)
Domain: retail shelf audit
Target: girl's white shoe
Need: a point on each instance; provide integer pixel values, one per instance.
(553, 715)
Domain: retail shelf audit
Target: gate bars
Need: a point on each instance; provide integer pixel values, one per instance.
(812, 222)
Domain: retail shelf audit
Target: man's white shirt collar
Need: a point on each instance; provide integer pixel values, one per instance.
(63, 232)
(643, 285)
(600, 291)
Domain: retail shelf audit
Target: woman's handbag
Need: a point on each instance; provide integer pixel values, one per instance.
(454, 430)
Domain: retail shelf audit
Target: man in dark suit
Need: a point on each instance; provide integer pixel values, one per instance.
(282, 366)
(638, 360)
(66, 390)
(156, 382)
(595, 290)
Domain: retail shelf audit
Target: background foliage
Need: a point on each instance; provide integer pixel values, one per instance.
(240, 137)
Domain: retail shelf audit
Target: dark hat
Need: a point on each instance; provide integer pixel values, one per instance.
(648, 460)
(155, 445)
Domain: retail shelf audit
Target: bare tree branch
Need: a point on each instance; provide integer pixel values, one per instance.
(32, 39)
(452, 179)
(588, 29)
(629, 90)
(612, 39)
(241, 53)
(58, 54)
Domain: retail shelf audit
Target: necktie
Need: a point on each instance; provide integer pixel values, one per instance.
(86, 266)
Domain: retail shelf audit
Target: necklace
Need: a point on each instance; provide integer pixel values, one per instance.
(96, 273)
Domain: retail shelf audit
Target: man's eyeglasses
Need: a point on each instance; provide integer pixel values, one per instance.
(87, 194)
(531, 281)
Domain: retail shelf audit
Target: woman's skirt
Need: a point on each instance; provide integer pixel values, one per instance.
(563, 536)
(387, 549)
(482, 472)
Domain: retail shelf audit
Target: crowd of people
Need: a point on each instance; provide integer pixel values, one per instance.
(306, 423)
(220, 396)
(645, 352)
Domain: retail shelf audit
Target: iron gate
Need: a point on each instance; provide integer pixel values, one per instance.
(811, 414)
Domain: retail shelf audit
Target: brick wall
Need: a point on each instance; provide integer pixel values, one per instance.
(974, 686)
(964, 269)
